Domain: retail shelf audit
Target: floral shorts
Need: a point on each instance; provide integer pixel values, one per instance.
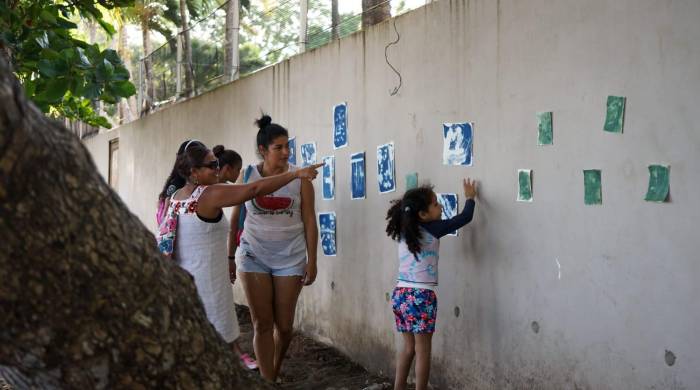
(415, 309)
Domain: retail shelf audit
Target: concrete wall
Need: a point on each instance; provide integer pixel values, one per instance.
(98, 145)
(611, 290)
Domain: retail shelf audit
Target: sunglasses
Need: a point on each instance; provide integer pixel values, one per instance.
(214, 164)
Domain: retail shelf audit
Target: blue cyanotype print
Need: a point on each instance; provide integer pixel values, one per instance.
(292, 144)
(308, 154)
(326, 222)
(357, 183)
(386, 174)
(329, 178)
(449, 206)
(340, 126)
(457, 143)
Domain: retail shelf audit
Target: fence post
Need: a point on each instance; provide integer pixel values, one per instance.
(178, 67)
(139, 97)
(231, 55)
(304, 8)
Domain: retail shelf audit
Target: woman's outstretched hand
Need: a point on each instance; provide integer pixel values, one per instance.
(470, 188)
(309, 172)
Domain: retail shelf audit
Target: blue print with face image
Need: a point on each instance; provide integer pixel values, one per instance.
(386, 174)
(329, 178)
(449, 206)
(326, 222)
(457, 143)
(340, 126)
(357, 184)
(308, 154)
(292, 144)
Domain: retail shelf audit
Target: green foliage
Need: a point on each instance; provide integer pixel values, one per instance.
(279, 27)
(250, 58)
(61, 73)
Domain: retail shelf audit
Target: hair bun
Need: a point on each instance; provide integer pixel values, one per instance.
(218, 149)
(264, 121)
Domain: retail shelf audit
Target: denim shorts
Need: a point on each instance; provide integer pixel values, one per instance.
(246, 264)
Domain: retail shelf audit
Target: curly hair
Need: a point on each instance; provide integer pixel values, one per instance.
(404, 221)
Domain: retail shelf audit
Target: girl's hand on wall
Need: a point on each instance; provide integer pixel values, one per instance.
(309, 274)
(470, 188)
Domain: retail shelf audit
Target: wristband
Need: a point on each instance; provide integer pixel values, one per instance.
(232, 257)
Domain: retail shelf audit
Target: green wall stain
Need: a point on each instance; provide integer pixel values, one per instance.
(411, 181)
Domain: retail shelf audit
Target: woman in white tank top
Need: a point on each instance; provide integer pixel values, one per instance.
(276, 255)
(202, 229)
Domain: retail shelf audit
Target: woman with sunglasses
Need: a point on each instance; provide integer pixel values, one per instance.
(200, 242)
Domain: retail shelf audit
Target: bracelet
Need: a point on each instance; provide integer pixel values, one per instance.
(232, 257)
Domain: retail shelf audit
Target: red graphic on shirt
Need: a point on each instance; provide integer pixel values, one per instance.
(272, 203)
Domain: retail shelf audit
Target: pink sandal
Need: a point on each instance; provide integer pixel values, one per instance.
(248, 362)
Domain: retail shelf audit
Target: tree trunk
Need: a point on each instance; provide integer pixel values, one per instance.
(122, 41)
(187, 50)
(92, 30)
(147, 91)
(375, 11)
(335, 19)
(86, 299)
(231, 58)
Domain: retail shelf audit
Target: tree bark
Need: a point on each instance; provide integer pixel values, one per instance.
(86, 299)
(122, 42)
(335, 19)
(375, 11)
(187, 50)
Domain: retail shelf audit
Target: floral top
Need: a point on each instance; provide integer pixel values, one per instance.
(167, 230)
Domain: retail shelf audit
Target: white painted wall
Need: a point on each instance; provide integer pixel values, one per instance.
(98, 145)
(626, 289)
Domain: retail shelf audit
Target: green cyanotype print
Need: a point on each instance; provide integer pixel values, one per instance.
(524, 185)
(545, 132)
(411, 180)
(615, 115)
(658, 183)
(593, 193)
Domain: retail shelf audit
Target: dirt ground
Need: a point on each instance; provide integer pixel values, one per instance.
(312, 365)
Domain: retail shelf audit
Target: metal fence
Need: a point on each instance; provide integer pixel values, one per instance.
(80, 129)
(268, 32)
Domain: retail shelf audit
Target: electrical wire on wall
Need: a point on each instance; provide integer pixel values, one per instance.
(386, 57)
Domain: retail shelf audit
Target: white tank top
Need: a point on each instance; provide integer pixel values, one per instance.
(201, 251)
(273, 231)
